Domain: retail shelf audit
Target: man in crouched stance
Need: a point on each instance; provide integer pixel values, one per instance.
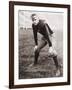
(40, 26)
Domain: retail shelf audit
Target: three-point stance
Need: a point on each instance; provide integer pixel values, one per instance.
(40, 26)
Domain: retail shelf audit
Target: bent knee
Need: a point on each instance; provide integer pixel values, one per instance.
(53, 53)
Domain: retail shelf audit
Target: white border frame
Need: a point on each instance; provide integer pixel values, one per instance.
(39, 80)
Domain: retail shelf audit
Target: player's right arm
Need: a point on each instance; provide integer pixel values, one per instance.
(35, 35)
(35, 38)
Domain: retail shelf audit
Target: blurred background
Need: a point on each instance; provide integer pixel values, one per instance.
(54, 19)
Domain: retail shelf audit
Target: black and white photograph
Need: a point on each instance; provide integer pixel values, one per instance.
(40, 51)
(40, 44)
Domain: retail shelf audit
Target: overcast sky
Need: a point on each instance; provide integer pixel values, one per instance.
(55, 20)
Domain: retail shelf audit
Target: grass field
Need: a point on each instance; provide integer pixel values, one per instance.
(45, 67)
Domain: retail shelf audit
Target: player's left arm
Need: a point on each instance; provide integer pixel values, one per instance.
(48, 38)
(47, 35)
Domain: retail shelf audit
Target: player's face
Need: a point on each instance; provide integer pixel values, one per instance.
(35, 20)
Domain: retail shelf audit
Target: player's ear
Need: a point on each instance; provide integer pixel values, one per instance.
(45, 21)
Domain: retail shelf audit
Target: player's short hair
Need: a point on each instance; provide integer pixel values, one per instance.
(34, 14)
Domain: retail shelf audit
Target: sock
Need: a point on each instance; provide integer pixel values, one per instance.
(36, 57)
(55, 61)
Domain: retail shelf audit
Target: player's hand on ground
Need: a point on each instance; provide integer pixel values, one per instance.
(35, 48)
